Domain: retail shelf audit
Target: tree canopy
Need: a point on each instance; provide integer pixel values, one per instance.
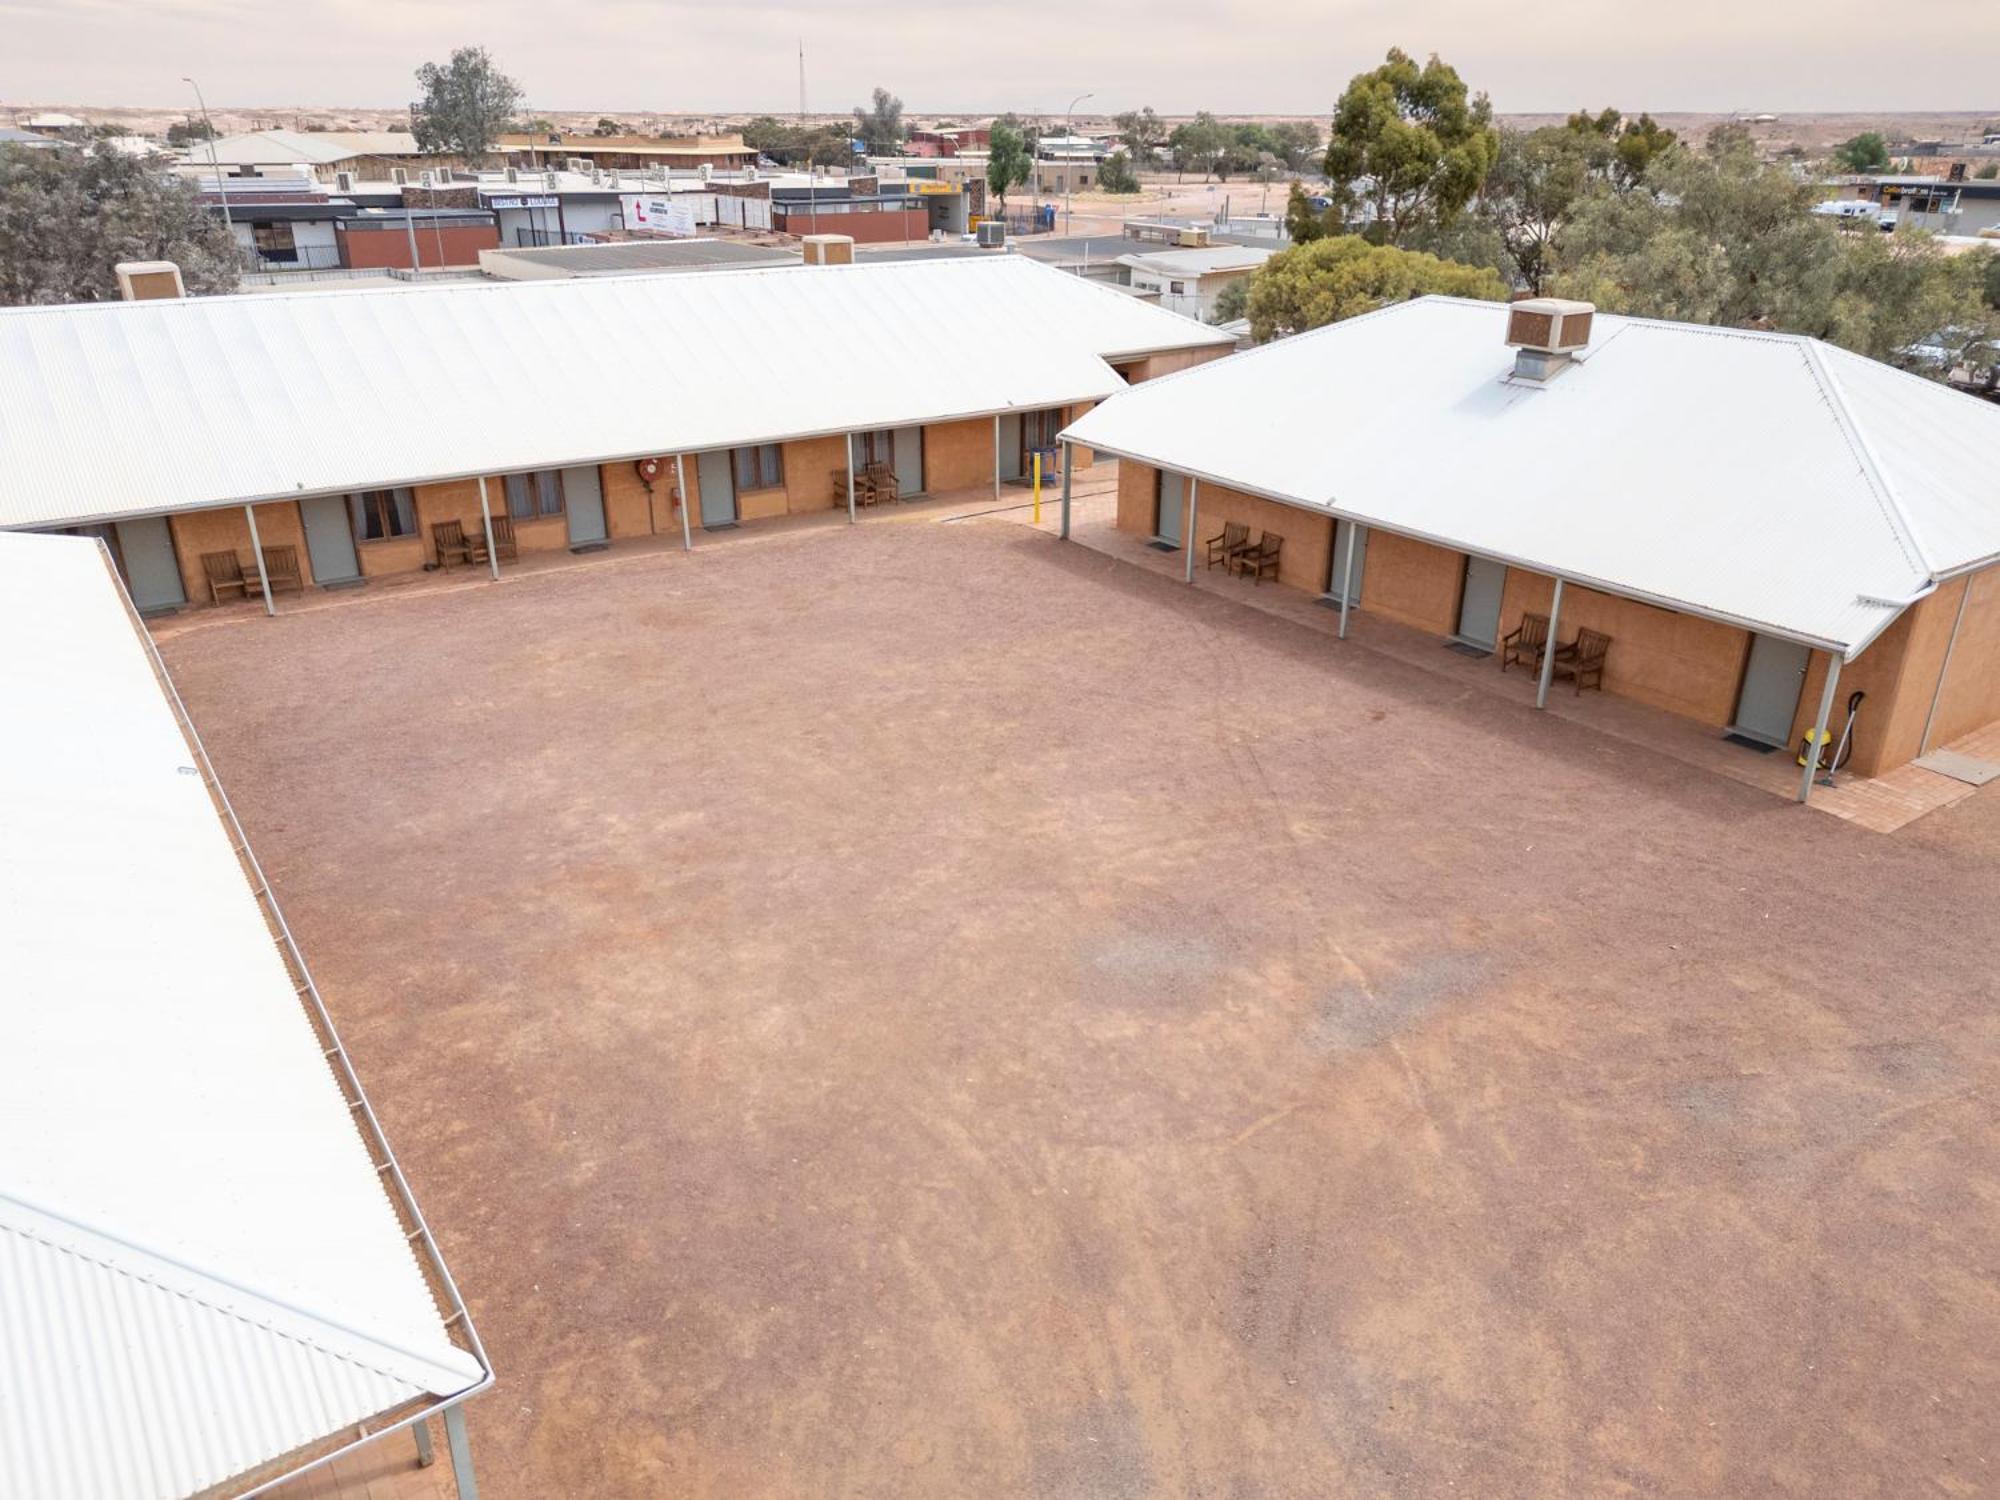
(1309, 286)
(1408, 147)
(1144, 132)
(67, 217)
(880, 125)
(799, 146)
(1007, 160)
(1720, 237)
(1198, 144)
(1866, 152)
(608, 126)
(1115, 175)
(466, 105)
(186, 132)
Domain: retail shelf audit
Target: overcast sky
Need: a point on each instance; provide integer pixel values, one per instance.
(1280, 56)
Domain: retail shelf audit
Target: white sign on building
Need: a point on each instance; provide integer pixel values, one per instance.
(653, 213)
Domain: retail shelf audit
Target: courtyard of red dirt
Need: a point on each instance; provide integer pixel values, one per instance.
(920, 1010)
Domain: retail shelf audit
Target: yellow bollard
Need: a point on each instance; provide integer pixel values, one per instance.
(1038, 486)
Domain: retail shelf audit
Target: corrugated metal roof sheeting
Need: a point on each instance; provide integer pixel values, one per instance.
(114, 1387)
(135, 408)
(1706, 468)
(172, 1136)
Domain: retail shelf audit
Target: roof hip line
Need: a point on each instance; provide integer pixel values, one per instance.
(1892, 504)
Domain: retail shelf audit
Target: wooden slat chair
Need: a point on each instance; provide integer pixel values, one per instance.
(864, 492)
(1261, 561)
(1525, 643)
(1582, 660)
(448, 537)
(1235, 537)
(882, 479)
(503, 540)
(281, 568)
(224, 572)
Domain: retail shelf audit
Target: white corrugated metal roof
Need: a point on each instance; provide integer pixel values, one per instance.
(1201, 262)
(200, 1267)
(118, 409)
(1761, 478)
(258, 148)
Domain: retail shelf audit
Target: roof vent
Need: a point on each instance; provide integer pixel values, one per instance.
(1545, 333)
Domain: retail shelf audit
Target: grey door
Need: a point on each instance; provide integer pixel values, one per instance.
(1010, 446)
(1170, 512)
(330, 539)
(909, 461)
(1479, 602)
(718, 488)
(583, 499)
(1336, 562)
(1772, 682)
(152, 572)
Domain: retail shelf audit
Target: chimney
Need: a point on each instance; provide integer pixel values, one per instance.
(828, 249)
(1545, 333)
(148, 280)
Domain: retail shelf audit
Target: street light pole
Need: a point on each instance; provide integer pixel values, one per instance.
(1069, 166)
(214, 162)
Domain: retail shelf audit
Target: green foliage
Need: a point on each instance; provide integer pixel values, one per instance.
(1115, 175)
(187, 132)
(880, 126)
(1538, 181)
(1642, 142)
(1988, 172)
(608, 126)
(1722, 238)
(1199, 144)
(1408, 144)
(1303, 222)
(1309, 286)
(1232, 302)
(466, 104)
(1298, 144)
(1866, 152)
(789, 145)
(537, 125)
(1989, 280)
(1007, 160)
(67, 217)
(1144, 132)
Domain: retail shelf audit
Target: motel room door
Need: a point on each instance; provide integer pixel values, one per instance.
(330, 539)
(583, 500)
(1773, 678)
(152, 571)
(1170, 507)
(909, 445)
(1336, 562)
(718, 488)
(1010, 446)
(1479, 602)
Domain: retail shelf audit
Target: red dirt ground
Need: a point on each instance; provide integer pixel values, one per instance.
(922, 1010)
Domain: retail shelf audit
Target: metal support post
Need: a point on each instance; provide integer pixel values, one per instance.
(996, 455)
(1194, 490)
(461, 1453)
(426, 1454)
(1347, 577)
(1549, 650)
(1069, 462)
(1819, 728)
(681, 489)
(257, 551)
(850, 479)
(1950, 645)
(492, 552)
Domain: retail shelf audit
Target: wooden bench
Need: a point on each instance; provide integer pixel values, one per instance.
(1235, 538)
(503, 540)
(1582, 660)
(1525, 643)
(448, 537)
(282, 571)
(1261, 561)
(224, 573)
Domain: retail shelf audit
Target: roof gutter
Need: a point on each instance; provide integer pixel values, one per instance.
(1845, 650)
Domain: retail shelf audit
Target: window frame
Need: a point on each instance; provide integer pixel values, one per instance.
(528, 493)
(394, 508)
(757, 466)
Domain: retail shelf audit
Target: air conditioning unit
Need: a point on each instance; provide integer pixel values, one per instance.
(513, 174)
(550, 179)
(578, 164)
(427, 178)
(706, 171)
(343, 182)
(597, 177)
(992, 234)
(399, 175)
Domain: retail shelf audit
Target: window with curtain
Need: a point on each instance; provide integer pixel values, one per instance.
(381, 514)
(538, 492)
(759, 468)
(878, 447)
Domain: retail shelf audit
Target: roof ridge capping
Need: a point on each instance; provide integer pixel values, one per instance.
(1885, 491)
(227, 1298)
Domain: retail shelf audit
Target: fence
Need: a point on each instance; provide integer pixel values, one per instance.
(742, 213)
(300, 258)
